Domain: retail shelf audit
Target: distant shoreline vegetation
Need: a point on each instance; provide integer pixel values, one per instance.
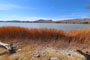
(72, 21)
(49, 22)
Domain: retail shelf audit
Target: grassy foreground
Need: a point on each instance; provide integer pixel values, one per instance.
(44, 44)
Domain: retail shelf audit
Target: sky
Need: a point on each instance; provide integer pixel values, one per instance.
(30, 10)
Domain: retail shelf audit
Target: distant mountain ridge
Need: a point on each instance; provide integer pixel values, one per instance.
(80, 21)
(43, 20)
(85, 20)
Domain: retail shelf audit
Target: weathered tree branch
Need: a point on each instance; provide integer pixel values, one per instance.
(87, 56)
(10, 47)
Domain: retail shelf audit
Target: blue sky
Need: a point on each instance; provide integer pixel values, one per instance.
(43, 9)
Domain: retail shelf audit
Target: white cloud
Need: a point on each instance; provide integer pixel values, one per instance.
(13, 6)
(46, 18)
(71, 16)
(33, 18)
(8, 6)
(22, 18)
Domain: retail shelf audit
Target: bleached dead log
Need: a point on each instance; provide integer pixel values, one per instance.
(86, 55)
(10, 47)
(4, 45)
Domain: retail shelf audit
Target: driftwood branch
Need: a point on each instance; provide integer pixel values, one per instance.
(9, 47)
(82, 53)
(87, 56)
(4, 45)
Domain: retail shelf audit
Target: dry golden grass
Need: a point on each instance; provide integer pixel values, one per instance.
(24, 33)
(55, 37)
(49, 37)
(34, 39)
(81, 36)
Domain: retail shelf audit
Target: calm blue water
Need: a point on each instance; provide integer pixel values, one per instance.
(58, 26)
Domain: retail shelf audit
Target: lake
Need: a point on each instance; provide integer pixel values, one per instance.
(58, 26)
